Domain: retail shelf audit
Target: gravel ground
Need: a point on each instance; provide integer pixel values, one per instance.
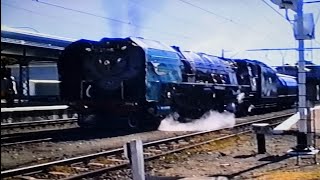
(23, 155)
(237, 159)
(35, 153)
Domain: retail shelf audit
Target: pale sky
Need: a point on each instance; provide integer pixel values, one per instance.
(199, 25)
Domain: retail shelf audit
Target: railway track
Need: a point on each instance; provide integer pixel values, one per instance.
(36, 136)
(92, 165)
(38, 131)
(32, 124)
(23, 130)
(34, 131)
(35, 113)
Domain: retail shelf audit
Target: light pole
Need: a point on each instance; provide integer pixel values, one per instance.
(304, 138)
(304, 135)
(302, 31)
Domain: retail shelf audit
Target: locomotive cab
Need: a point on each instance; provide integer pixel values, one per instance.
(267, 88)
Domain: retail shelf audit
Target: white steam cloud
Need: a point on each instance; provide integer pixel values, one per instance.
(211, 120)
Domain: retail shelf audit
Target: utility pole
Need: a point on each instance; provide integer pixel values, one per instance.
(302, 32)
(304, 136)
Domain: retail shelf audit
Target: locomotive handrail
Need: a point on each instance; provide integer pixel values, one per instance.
(34, 108)
(211, 84)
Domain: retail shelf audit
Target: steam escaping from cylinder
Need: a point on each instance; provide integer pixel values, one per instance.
(211, 120)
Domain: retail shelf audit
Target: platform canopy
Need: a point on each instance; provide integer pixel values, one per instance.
(25, 46)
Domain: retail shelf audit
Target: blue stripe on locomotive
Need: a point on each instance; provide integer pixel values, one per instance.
(289, 83)
(162, 66)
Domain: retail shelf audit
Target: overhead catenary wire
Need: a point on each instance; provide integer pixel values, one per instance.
(266, 18)
(39, 14)
(228, 20)
(285, 49)
(210, 12)
(275, 10)
(223, 17)
(67, 19)
(260, 14)
(52, 17)
(286, 17)
(218, 16)
(311, 2)
(24, 9)
(84, 12)
(138, 3)
(110, 19)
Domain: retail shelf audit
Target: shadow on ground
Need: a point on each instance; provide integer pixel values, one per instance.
(270, 160)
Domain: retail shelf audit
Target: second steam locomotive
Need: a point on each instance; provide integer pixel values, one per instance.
(136, 82)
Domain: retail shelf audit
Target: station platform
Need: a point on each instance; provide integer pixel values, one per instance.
(292, 122)
(34, 108)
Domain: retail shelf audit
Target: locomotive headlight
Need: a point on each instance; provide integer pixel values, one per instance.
(213, 95)
(169, 94)
(106, 62)
(88, 49)
(119, 60)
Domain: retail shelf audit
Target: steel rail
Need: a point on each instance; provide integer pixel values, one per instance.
(26, 142)
(31, 133)
(37, 123)
(34, 136)
(124, 165)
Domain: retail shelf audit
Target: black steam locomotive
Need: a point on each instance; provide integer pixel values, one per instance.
(141, 81)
